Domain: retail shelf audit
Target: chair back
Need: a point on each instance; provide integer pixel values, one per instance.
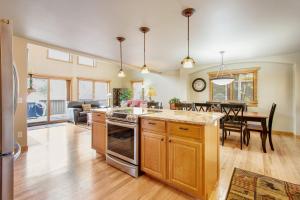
(271, 116)
(202, 107)
(243, 104)
(184, 106)
(234, 113)
(215, 106)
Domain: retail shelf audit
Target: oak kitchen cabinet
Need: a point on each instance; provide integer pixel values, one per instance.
(182, 155)
(99, 132)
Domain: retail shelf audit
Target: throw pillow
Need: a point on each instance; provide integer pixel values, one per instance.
(86, 107)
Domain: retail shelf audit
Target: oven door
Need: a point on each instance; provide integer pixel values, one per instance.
(122, 140)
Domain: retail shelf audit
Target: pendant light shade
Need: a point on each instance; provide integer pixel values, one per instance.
(188, 62)
(222, 79)
(30, 89)
(121, 73)
(145, 69)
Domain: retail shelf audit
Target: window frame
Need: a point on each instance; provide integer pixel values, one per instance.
(137, 81)
(70, 56)
(94, 61)
(93, 87)
(254, 71)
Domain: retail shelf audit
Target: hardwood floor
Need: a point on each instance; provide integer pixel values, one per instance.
(60, 164)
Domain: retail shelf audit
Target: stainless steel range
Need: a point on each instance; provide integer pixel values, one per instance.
(123, 138)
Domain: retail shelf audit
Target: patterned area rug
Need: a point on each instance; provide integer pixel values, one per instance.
(246, 185)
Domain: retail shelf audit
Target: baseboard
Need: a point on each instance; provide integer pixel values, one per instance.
(24, 149)
(286, 133)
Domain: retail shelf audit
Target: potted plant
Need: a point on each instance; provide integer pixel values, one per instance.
(172, 102)
(125, 95)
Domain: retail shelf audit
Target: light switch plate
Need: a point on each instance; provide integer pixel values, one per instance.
(20, 134)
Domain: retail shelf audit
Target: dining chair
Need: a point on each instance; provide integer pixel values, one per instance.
(259, 128)
(202, 107)
(184, 106)
(215, 106)
(233, 120)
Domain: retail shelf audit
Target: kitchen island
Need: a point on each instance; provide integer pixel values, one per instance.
(179, 148)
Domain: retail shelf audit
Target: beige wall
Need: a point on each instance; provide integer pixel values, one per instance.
(167, 84)
(20, 59)
(275, 84)
(39, 64)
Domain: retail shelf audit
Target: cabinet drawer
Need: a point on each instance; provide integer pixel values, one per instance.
(98, 117)
(185, 130)
(154, 125)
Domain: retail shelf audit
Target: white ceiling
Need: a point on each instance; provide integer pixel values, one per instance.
(243, 28)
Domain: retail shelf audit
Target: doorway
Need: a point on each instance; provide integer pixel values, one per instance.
(48, 103)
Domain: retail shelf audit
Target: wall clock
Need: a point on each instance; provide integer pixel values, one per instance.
(199, 85)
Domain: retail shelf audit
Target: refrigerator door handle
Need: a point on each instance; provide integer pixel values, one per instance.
(16, 87)
(17, 151)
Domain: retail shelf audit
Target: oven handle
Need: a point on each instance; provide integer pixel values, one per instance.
(121, 124)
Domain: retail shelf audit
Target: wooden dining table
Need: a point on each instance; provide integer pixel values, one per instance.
(262, 118)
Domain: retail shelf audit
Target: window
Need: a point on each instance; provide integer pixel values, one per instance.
(243, 88)
(93, 90)
(82, 60)
(137, 87)
(59, 55)
(101, 90)
(85, 90)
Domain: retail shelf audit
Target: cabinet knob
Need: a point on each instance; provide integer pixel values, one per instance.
(162, 139)
(170, 140)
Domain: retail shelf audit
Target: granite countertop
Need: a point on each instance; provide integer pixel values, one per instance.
(192, 117)
(102, 110)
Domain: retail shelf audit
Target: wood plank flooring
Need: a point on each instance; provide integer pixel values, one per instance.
(60, 164)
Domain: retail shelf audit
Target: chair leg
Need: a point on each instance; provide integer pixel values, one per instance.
(248, 137)
(241, 139)
(229, 132)
(270, 140)
(223, 135)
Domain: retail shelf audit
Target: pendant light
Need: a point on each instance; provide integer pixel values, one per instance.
(188, 62)
(30, 89)
(222, 79)
(145, 69)
(121, 73)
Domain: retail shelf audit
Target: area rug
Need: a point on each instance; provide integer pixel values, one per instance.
(247, 185)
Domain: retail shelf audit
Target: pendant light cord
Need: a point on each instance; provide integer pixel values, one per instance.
(188, 36)
(121, 55)
(144, 48)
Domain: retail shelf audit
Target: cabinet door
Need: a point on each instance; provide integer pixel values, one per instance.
(99, 137)
(185, 166)
(153, 154)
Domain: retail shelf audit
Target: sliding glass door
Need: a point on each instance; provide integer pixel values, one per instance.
(49, 102)
(37, 102)
(58, 100)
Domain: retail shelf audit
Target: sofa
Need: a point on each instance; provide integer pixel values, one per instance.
(76, 113)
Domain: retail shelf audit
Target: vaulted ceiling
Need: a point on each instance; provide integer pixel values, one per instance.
(243, 28)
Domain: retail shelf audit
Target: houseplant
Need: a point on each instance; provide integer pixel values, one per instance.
(172, 102)
(125, 95)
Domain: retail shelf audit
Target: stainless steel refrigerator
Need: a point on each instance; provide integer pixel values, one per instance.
(9, 151)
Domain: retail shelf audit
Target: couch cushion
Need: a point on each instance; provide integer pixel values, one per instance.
(86, 107)
(93, 103)
(75, 104)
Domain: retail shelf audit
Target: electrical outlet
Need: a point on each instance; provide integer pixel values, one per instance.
(20, 134)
